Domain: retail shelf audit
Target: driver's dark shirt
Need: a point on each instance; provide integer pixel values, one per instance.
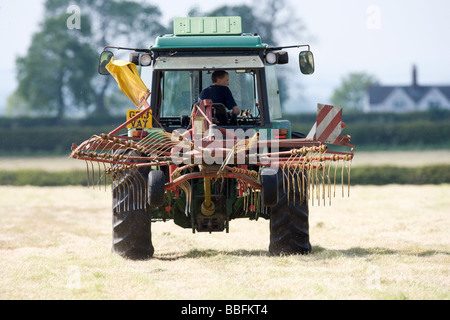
(219, 94)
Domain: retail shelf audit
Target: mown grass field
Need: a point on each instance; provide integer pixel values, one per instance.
(388, 242)
(383, 242)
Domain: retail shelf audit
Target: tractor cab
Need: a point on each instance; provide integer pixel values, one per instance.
(182, 64)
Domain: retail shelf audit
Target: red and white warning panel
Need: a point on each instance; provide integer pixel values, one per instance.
(328, 126)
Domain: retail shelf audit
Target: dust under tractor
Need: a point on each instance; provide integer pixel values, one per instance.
(180, 158)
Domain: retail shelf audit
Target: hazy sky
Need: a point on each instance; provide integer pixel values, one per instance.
(382, 37)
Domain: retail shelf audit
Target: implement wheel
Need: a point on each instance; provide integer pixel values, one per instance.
(156, 181)
(269, 191)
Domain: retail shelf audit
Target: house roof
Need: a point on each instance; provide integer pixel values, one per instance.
(377, 94)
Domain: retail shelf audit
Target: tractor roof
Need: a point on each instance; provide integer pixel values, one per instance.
(208, 33)
(169, 42)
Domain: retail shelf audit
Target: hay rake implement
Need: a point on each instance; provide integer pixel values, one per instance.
(181, 158)
(308, 165)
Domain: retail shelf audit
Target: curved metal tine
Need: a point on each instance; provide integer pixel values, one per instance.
(87, 172)
(236, 149)
(105, 167)
(342, 177)
(93, 174)
(252, 200)
(157, 142)
(329, 184)
(249, 203)
(146, 142)
(108, 172)
(189, 198)
(124, 189)
(99, 176)
(115, 179)
(259, 204)
(305, 183)
(349, 168)
(186, 187)
(318, 184)
(120, 188)
(295, 175)
(164, 147)
(152, 136)
(335, 174)
(284, 175)
(150, 140)
(305, 179)
(131, 188)
(95, 143)
(298, 182)
(289, 175)
(142, 189)
(109, 141)
(312, 182)
(323, 182)
(227, 158)
(245, 202)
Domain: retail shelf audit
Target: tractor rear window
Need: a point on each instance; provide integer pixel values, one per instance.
(180, 90)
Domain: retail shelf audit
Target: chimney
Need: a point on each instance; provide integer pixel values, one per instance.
(414, 77)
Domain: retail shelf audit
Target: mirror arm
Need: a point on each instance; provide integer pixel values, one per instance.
(124, 48)
(287, 47)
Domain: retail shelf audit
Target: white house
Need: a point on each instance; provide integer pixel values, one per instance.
(406, 98)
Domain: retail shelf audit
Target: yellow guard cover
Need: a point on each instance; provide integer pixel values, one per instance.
(129, 81)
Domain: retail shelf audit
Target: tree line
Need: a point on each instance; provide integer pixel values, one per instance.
(58, 77)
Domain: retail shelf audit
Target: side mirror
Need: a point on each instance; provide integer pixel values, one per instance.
(105, 58)
(306, 61)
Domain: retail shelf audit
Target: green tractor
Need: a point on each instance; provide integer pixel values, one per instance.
(200, 163)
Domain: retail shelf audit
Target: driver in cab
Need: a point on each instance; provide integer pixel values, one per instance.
(219, 92)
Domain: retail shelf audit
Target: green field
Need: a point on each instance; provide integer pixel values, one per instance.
(367, 168)
(375, 158)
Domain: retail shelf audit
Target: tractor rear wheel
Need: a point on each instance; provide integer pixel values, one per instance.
(131, 220)
(289, 226)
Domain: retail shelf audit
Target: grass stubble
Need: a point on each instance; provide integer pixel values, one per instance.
(388, 242)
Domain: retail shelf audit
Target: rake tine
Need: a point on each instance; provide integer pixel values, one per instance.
(317, 185)
(335, 175)
(323, 183)
(87, 172)
(121, 187)
(342, 177)
(329, 183)
(99, 176)
(135, 197)
(349, 168)
(143, 189)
